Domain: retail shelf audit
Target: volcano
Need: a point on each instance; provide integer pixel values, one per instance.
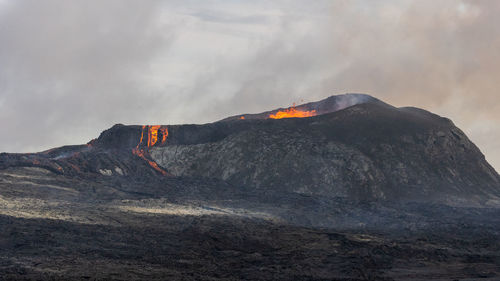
(350, 163)
(352, 146)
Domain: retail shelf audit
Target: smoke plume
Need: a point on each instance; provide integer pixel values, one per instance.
(69, 69)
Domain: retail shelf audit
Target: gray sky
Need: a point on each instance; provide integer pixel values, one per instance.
(70, 69)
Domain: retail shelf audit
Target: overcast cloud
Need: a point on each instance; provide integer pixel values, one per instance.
(70, 69)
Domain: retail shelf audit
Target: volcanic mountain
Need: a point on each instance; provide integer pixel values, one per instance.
(352, 146)
(346, 188)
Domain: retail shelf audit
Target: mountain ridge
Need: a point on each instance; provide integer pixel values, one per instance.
(355, 146)
(367, 192)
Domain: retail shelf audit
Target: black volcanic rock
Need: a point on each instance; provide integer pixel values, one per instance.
(367, 151)
(328, 105)
(357, 148)
(319, 198)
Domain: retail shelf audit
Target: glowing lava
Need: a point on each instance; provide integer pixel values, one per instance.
(292, 112)
(153, 133)
(164, 135)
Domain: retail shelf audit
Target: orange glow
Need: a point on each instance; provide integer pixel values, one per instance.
(164, 134)
(156, 167)
(292, 112)
(142, 154)
(142, 136)
(152, 135)
(242, 117)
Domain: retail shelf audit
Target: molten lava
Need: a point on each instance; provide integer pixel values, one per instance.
(153, 133)
(142, 154)
(164, 134)
(292, 112)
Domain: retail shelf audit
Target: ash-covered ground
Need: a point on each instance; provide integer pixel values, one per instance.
(57, 228)
(359, 190)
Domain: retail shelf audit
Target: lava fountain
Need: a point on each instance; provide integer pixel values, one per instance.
(292, 112)
(153, 134)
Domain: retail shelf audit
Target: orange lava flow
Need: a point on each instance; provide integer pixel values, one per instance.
(292, 112)
(164, 134)
(152, 133)
(141, 153)
(142, 136)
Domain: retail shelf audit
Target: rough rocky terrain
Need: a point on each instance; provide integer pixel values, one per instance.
(361, 191)
(366, 151)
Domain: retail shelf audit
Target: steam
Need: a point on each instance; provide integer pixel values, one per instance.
(64, 77)
(344, 101)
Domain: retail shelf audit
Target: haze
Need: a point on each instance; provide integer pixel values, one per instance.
(70, 69)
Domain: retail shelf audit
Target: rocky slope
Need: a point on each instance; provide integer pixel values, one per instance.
(367, 151)
(355, 147)
(359, 190)
(370, 150)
